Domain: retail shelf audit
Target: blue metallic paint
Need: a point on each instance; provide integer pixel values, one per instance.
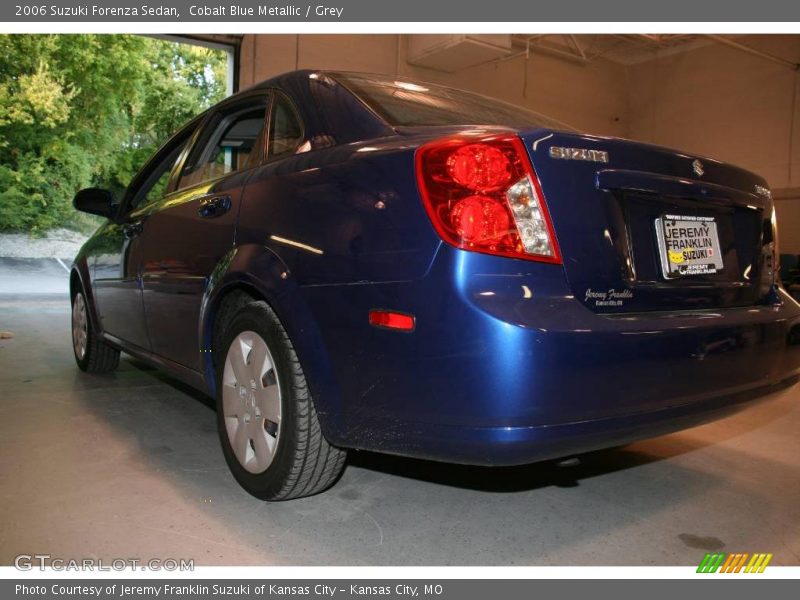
(485, 356)
(508, 363)
(257, 270)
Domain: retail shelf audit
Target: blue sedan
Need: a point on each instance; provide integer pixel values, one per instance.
(350, 261)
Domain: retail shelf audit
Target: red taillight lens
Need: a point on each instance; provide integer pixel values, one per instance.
(483, 195)
(480, 220)
(479, 167)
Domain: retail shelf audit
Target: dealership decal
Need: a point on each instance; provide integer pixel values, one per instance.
(689, 245)
(610, 297)
(735, 562)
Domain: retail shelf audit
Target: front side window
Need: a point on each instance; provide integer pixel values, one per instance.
(154, 185)
(159, 186)
(232, 145)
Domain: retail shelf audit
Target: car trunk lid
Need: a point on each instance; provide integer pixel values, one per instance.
(643, 228)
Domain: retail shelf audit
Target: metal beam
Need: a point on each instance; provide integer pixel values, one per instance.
(749, 50)
(531, 44)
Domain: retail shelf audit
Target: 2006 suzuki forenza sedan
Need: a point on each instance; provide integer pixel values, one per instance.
(352, 261)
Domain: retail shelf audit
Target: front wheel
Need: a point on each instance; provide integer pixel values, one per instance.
(269, 430)
(91, 353)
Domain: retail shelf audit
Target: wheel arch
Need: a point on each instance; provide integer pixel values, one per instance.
(75, 282)
(256, 272)
(78, 278)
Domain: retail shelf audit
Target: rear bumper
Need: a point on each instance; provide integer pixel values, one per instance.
(507, 446)
(506, 366)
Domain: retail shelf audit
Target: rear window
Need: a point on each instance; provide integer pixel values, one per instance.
(407, 103)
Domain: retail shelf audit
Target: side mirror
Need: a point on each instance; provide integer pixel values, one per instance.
(95, 201)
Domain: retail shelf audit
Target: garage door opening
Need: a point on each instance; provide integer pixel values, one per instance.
(82, 111)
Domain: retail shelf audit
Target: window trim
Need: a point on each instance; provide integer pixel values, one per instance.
(267, 158)
(215, 118)
(144, 175)
(187, 150)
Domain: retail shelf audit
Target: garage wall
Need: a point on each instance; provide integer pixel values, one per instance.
(724, 103)
(553, 86)
(693, 100)
(696, 100)
(787, 209)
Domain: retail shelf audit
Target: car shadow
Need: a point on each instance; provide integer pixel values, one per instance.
(567, 472)
(172, 382)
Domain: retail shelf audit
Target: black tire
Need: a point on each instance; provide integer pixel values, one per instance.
(303, 463)
(98, 356)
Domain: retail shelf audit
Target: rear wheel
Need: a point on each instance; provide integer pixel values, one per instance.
(91, 353)
(270, 434)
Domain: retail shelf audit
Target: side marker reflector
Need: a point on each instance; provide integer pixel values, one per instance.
(388, 319)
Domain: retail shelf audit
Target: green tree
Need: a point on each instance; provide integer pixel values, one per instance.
(81, 110)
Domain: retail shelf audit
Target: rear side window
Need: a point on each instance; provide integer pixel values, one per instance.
(234, 141)
(406, 103)
(285, 130)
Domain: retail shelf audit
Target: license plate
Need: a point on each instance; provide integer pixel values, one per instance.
(688, 245)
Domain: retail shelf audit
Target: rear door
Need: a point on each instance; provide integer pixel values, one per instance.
(187, 233)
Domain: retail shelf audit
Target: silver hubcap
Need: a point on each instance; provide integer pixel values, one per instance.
(80, 326)
(251, 402)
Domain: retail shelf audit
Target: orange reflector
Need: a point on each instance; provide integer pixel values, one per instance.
(391, 320)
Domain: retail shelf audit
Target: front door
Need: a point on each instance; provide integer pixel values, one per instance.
(188, 232)
(117, 287)
(117, 249)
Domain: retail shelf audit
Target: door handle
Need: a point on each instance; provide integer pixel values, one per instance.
(131, 230)
(214, 207)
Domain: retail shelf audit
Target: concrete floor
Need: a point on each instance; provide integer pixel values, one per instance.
(129, 465)
(34, 276)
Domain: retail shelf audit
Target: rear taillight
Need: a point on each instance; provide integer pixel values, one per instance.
(770, 275)
(482, 194)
